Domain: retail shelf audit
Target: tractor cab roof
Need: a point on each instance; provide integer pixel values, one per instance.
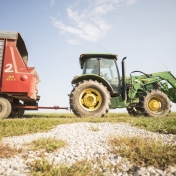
(15, 36)
(85, 56)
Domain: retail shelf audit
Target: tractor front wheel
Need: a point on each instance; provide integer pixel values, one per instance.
(90, 98)
(155, 104)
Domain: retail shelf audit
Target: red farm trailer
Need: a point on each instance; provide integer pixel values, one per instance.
(18, 81)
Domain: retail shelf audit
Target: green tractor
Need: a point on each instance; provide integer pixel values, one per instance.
(101, 88)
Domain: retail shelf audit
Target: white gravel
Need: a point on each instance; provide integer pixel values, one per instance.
(85, 140)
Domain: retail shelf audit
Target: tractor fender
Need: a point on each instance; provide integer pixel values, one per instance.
(93, 77)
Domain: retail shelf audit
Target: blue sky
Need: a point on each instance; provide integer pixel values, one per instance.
(56, 32)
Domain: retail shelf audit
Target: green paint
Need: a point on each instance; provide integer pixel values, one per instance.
(117, 102)
(136, 85)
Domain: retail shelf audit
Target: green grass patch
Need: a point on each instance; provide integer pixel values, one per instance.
(165, 125)
(144, 152)
(33, 123)
(81, 168)
(46, 144)
(16, 127)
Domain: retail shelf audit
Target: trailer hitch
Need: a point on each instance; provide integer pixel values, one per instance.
(40, 107)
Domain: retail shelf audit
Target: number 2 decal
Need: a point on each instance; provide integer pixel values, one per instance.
(8, 68)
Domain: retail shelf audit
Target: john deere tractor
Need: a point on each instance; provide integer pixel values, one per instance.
(100, 88)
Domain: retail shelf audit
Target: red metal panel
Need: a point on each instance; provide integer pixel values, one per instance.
(2, 43)
(16, 75)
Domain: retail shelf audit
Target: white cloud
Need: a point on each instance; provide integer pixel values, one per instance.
(129, 2)
(84, 30)
(103, 9)
(88, 21)
(74, 41)
(65, 28)
(114, 3)
(52, 2)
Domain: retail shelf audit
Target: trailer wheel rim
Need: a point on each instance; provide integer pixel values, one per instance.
(155, 104)
(90, 99)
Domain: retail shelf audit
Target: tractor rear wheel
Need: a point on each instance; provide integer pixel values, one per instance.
(90, 98)
(5, 108)
(155, 104)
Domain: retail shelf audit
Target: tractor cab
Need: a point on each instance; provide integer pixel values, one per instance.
(103, 65)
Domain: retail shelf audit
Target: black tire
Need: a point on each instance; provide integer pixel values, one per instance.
(21, 113)
(5, 108)
(155, 104)
(17, 112)
(90, 98)
(134, 111)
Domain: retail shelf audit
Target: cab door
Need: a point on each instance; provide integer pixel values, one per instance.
(109, 71)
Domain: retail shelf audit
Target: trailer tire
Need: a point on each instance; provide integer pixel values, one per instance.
(155, 104)
(17, 112)
(90, 98)
(21, 113)
(5, 108)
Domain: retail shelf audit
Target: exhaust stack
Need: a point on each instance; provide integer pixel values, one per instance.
(124, 95)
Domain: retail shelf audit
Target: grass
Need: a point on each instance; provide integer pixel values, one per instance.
(80, 168)
(7, 152)
(141, 152)
(165, 125)
(16, 127)
(33, 123)
(46, 144)
(144, 152)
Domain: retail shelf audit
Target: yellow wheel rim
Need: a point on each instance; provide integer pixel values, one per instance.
(155, 104)
(90, 99)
